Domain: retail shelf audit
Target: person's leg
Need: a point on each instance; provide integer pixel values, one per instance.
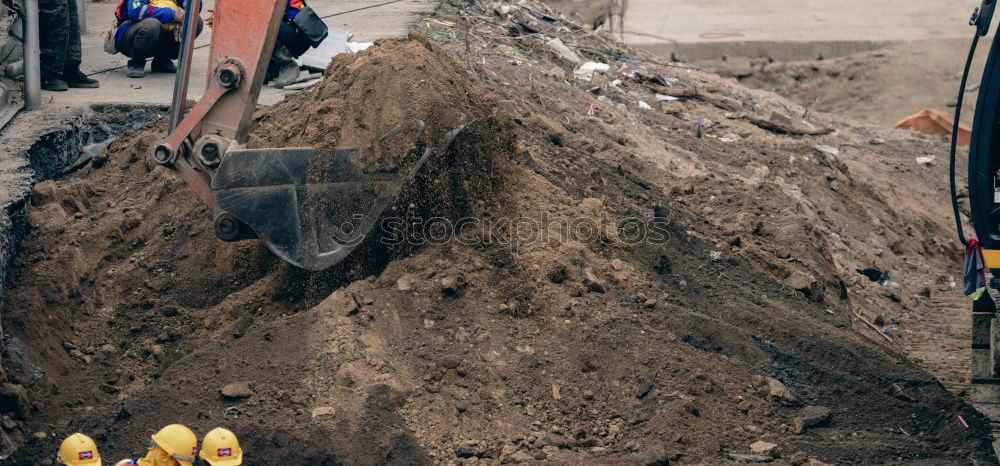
(168, 50)
(293, 39)
(282, 69)
(140, 42)
(53, 18)
(71, 69)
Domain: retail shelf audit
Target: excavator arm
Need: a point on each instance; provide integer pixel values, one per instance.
(311, 208)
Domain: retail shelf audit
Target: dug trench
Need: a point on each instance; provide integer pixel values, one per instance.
(506, 344)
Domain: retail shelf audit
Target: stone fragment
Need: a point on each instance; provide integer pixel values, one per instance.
(237, 390)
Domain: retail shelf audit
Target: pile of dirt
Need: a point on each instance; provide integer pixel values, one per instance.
(613, 295)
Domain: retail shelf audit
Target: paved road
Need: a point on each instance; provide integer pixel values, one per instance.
(376, 22)
(695, 25)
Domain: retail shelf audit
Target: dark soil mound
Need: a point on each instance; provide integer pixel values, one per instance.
(554, 334)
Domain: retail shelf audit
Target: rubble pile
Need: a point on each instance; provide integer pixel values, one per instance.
(661, 266)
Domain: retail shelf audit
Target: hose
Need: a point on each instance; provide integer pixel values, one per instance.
(954, 140)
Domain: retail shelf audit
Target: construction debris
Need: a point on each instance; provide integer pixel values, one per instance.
(507, 313)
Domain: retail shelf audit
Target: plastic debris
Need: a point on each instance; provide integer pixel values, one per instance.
(594, 108)
(926, 161)
(563, 51)
(318, 58)
(701, 128)
(666, 98)
(826, 150)
(962, 420)
(644, 105)
(934, 123)
(587, 70)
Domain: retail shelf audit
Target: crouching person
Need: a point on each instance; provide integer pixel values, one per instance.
(220, 447)
(78, 450)
(173, 445)
(300, 29)
(150, 29)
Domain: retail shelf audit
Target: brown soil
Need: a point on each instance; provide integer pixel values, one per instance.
(565, 345)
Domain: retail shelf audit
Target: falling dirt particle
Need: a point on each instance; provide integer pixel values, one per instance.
(324, 411)
(593, 283)
(340, 303)
(406, 282)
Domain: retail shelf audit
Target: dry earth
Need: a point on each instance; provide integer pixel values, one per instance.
(737, 317)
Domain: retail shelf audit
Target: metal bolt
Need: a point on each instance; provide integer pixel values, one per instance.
(163, 155)
(210, 153)
(227, 77)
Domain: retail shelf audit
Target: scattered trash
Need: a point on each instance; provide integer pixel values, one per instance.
(587, 70)
(926, 161)
(962, 420)
(666, 98)
(355, 47)
(335, 44)
(826, 150)
(934, 123)
(438, 21)
(644, 105)
(563, 51)
(594, 108)
(232, 413)
(876, 275)
(701, 128)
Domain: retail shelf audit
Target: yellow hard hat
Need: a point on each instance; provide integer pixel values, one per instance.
(178, 441)
(78, 449)
(220, 447)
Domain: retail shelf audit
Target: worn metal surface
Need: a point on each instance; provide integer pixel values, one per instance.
(32, 58)
(189, 34)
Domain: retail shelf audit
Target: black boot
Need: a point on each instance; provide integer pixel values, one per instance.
(163, 65)
(54, 83)
(77, 79)
(136, 68)
(282, 69)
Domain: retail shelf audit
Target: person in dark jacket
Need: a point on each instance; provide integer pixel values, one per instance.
(59, 44)
(150, 28)
(292, 42)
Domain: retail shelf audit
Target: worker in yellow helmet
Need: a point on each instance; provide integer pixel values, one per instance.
(173, 445)
(78, 450)
(220, 447)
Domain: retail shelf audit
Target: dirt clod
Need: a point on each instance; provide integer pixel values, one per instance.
(236, 391)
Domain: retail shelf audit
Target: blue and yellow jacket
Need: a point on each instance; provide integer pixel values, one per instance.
(133, 11)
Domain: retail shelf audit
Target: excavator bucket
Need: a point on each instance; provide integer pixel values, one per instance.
(310, 207)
